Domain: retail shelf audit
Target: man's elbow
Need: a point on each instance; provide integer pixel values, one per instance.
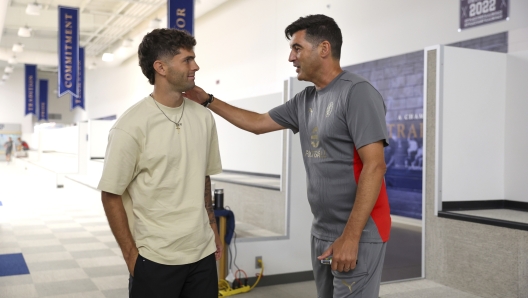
(382, 167)
(258, 131)
(376, 168)
(262, 124)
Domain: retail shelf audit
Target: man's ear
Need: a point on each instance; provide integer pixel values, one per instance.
(160, 67)
(325, 49)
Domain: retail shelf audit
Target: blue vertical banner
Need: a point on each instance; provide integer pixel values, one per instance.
(43, 100)
(68, 50)
(30, 88)
(180, 15)
(78, 101)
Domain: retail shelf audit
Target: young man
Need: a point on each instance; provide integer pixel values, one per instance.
(155, 186)
(343, 132)
(8, 149)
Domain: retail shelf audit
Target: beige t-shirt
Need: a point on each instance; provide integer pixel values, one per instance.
(160, 174)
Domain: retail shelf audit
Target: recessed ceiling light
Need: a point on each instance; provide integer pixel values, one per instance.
(5, 77)
(108, 57)
(33, 9)
(24, 31)
(8, 69)
(18, 47)
(12, 60)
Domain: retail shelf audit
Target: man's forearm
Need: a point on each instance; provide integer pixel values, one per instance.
(368, 190)
(243, 119)
(117, 218)
(209, 201)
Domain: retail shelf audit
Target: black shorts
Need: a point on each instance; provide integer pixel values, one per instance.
(153, 280)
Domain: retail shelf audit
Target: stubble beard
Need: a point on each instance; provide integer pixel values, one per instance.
(182, 84)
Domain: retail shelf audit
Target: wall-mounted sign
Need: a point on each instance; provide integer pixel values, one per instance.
(30, 88)
(180, 15)
(480, 12)
(68, 50)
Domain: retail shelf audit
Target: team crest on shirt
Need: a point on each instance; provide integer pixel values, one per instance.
(314, 140)
(315, 137)
(329, 109)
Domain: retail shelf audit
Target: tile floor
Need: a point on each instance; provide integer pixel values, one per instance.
(69, 250)
(62, 234)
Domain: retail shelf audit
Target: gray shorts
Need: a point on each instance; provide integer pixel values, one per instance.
(362, 282)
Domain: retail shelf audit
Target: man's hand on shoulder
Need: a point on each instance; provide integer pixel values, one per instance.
(196, 94)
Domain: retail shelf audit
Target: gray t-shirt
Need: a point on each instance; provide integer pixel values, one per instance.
(9, 146)
(334, 122)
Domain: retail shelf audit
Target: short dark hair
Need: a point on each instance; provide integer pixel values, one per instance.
(162, 43)
(318, 29)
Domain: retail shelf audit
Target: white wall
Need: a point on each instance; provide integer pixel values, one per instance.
(64, 140)
(111, 91)
(244, 151)
(12, 102)
(516, 128)
(474, 102)
(242, 43)
(98, 137)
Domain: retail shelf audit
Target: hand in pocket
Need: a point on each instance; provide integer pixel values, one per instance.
(131, 261)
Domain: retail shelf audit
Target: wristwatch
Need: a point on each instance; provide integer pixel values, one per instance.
(209, 101)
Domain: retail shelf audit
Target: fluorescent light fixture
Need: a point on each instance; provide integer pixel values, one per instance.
(8, 69)
(155, 24)
(24, 31)
(108, 57)
(18, 47)
(127, 43)
(12, 60)
(5, 77)
(33, 9)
